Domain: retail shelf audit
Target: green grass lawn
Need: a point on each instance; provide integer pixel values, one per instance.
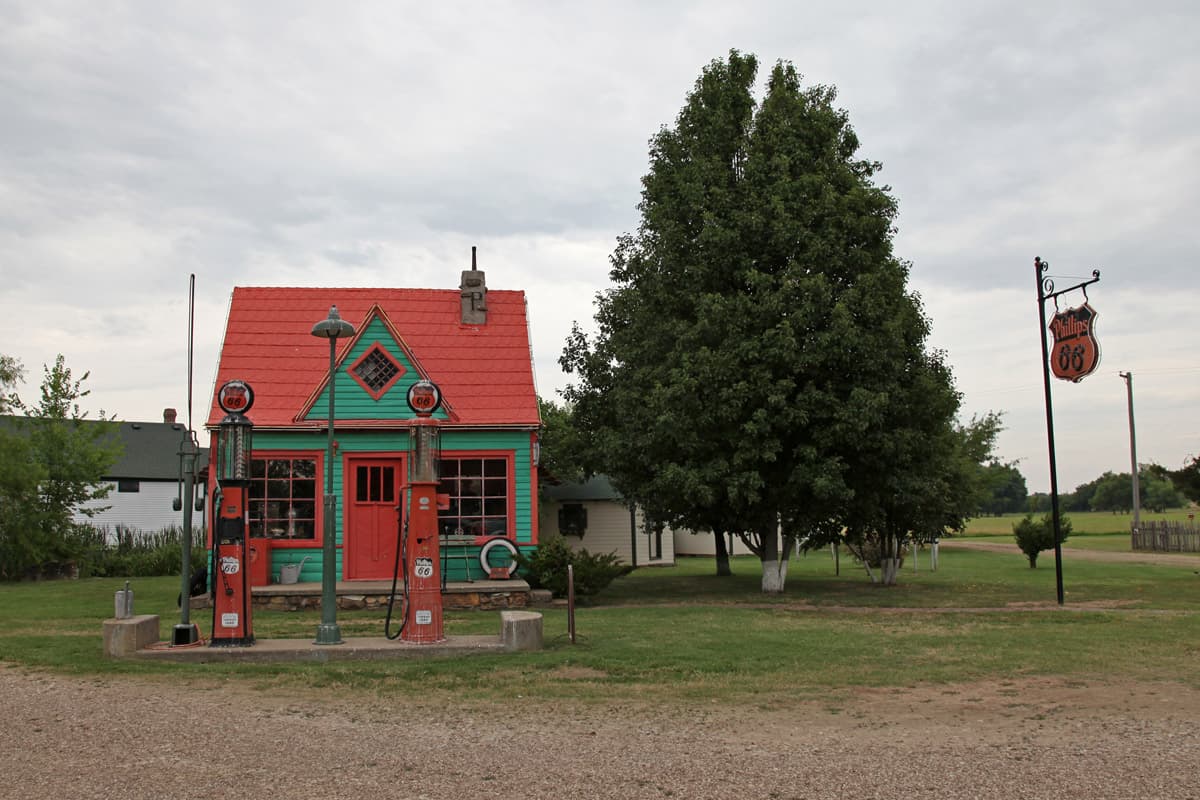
(1087, 522)
(682, 634)
(1093, 530)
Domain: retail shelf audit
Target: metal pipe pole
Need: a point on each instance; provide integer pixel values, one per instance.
(633, 534)
(189, 490)
(1040, 266)
(189, 450)
(1133, 462)
(328, 632)
(571, 602)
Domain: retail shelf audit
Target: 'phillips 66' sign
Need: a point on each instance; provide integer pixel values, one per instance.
(1075, 353)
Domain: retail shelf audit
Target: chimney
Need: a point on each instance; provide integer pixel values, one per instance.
(169, 416)
(473, 293)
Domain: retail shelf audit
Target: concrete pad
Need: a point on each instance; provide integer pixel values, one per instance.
(125, 637)
(521, 630)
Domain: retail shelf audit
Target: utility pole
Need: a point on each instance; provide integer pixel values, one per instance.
(1137, 523)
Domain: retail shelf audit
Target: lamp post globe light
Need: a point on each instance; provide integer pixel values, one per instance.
(328, 632)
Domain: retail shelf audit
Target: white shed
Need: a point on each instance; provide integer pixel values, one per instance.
(593, 515)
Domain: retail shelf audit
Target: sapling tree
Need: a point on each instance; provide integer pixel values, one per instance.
(1034, 536)
(52, 462)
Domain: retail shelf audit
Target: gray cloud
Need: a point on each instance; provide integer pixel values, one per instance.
(301, 143)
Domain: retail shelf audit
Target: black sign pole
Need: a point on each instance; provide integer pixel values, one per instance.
(1045, 286)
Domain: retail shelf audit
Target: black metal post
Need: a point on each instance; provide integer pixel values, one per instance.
(571, 602)
(1046, 291)
(1039, 267)
(189, 449)
(329, 632)
(633, 534)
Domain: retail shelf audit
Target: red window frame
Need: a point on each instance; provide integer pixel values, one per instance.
(318, 518)
(400, 370)
(510, 499)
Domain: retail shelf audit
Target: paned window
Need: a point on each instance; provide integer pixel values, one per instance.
(376, 371)
(283, 498)
(375, 484)
(478, 490)
(129, 485)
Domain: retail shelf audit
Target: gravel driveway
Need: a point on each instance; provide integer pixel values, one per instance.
(127, 738)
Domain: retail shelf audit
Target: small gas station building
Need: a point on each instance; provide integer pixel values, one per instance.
(471, 342)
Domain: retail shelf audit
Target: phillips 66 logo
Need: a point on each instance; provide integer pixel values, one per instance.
(1075, 353)
(423, 568)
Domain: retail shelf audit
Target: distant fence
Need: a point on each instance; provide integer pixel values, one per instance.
(1168, 537)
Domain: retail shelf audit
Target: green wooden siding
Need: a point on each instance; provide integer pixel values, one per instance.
(310, 572)
(384, 442)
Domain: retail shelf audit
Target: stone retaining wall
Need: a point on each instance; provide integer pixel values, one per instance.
(480, 600)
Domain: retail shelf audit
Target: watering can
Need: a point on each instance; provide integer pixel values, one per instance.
(290, 573)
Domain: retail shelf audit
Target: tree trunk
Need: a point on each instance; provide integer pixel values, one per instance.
(722, 553)
(774, 562)
(889, 564)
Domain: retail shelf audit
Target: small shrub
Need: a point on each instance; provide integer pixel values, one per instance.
(1034, 537)
(546, 568)
(130, 553)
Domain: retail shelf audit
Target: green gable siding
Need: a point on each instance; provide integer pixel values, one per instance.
(353, 401)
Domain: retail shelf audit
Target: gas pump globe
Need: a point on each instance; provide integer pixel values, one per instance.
(422, 579)
(231, 584)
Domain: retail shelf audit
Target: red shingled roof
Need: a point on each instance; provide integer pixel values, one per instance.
(484, 371)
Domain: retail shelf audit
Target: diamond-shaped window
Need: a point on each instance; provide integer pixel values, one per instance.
(376, 371)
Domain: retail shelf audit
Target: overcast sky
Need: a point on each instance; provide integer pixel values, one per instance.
(371, 144)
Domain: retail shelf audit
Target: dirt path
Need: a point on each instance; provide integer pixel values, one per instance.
(1175, 559)
(135, 738)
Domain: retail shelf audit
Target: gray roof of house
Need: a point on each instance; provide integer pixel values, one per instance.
(597, 487)
(150, 449)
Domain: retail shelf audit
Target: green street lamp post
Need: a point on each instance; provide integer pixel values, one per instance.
(328, 631)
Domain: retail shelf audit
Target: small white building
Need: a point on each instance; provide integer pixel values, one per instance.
(145, 479)
(691, 543)
(593, 515)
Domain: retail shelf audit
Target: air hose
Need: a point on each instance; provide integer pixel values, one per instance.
(401, 558)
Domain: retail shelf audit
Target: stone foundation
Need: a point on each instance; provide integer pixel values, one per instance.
(479, 595)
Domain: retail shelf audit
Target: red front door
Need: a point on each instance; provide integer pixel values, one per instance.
(372, 519)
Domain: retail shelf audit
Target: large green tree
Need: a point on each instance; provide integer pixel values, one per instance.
(11, 373)
(52, 462)
(1006, 492)
(561, 454)
(1114, 491)
(759, 365)
(1187, 479)
(1157, 494)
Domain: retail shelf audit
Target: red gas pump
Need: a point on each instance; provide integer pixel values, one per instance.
(421, 556)
(230, 573)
